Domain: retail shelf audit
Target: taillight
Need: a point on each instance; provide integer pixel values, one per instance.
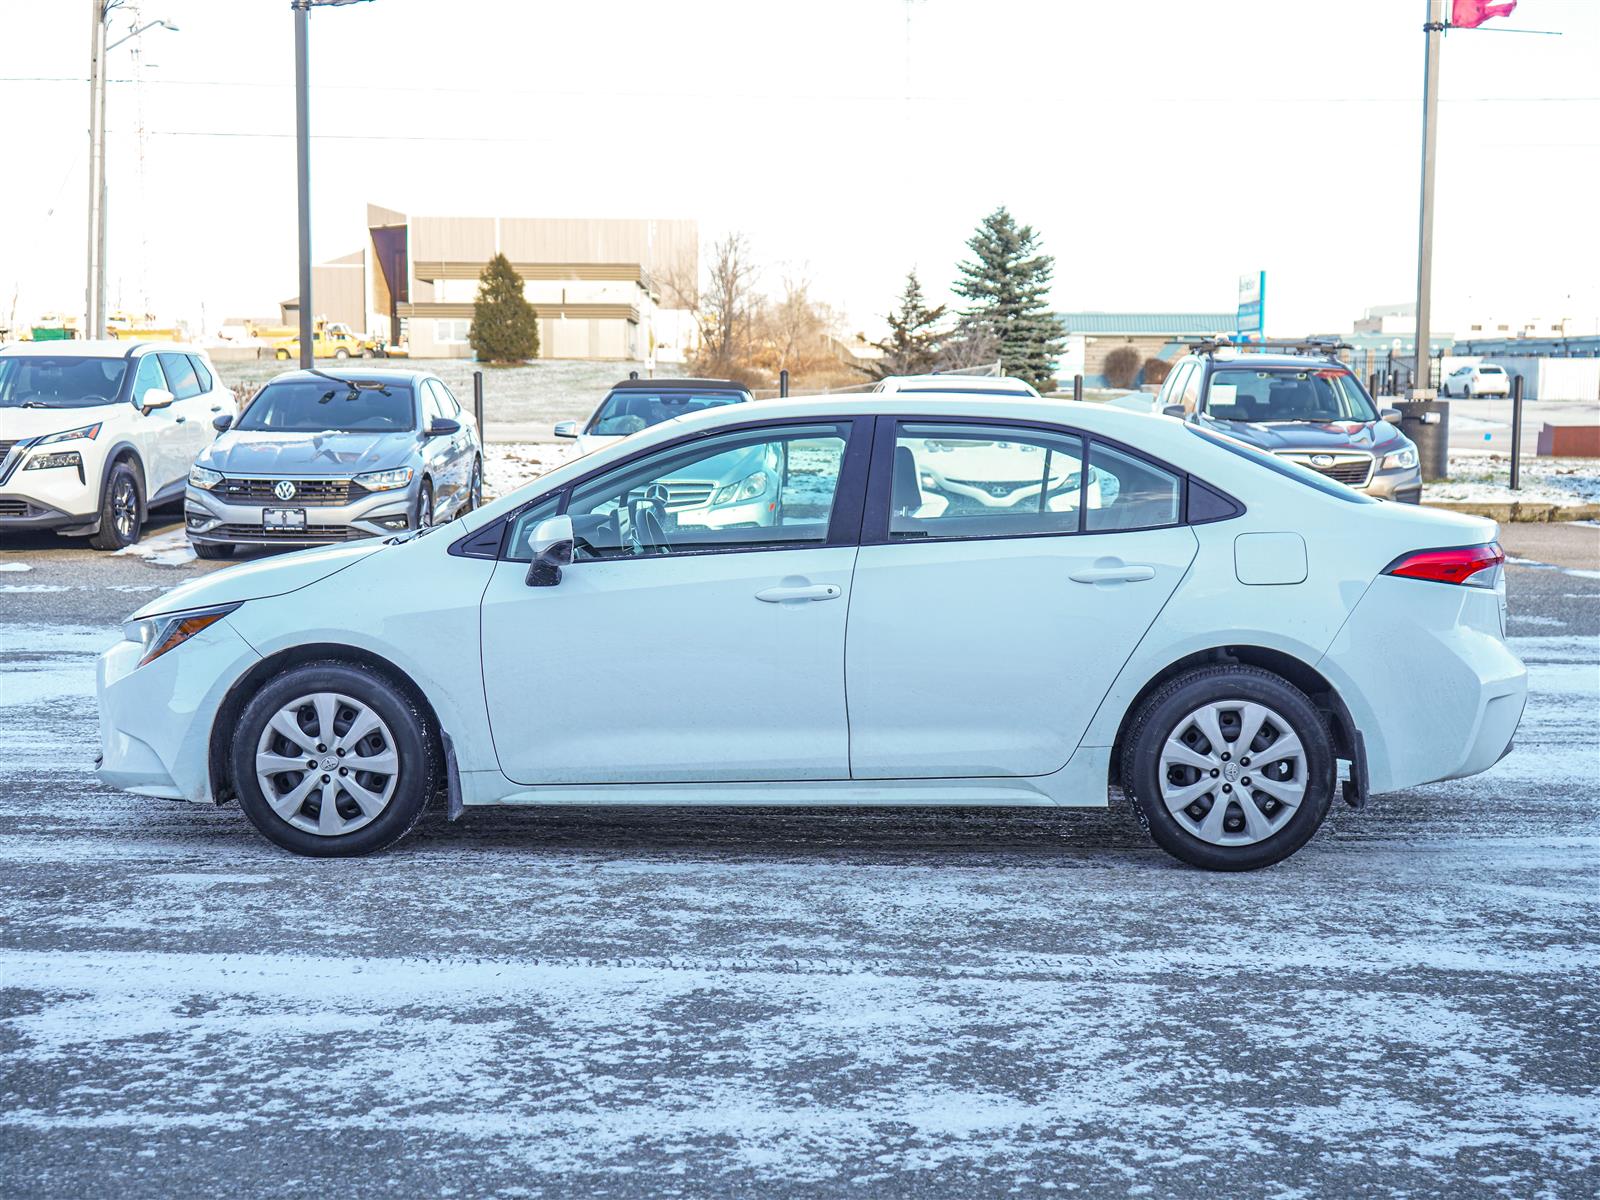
(1470, 565)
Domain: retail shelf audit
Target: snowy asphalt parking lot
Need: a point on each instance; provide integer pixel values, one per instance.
(883, 1003)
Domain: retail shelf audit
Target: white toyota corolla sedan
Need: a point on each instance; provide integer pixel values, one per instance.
(1139, 603)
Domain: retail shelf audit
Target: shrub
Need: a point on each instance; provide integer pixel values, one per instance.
(1156, 370)
(1122, 366)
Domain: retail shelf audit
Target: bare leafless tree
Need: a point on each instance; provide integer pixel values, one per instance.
(727, 306)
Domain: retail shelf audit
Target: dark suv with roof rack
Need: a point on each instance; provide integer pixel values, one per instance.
(1299, 402)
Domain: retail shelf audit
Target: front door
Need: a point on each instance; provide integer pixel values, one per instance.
(163, 442)
(1006, 590)
(699, 634)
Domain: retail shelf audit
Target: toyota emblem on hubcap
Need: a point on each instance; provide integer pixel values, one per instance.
(283, 490)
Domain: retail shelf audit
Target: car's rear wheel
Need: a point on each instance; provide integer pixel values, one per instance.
(1232, 767)
(121, 509)
(212, 550)
(332, 760)
(341, 352)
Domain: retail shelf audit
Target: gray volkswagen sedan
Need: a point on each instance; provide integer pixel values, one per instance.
(330, 456)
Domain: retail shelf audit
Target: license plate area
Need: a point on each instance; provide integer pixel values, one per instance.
(283, 518)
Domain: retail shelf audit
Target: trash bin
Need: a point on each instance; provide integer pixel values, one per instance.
(1427, 423)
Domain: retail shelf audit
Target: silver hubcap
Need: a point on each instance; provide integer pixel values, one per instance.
(327, 764)
(124, 507)
(1233, 773)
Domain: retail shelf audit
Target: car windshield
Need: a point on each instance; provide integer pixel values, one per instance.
(1285, 394)
(59, 381)
(1284, 467)
(633, 409)
(326, 405)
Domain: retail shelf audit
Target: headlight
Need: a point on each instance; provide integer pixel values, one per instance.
(1400, 459)
(748, 488)
(66, 458)
(204, 478)
(87, 433)
(385, 481)
(168, 631)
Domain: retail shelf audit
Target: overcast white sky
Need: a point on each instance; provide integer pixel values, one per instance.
(1161, 147)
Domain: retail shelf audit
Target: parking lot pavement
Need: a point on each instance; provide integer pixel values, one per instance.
(773, 1003)
(1485, 424)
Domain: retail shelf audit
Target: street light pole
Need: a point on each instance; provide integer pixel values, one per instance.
(93, 319)
(1421, 386)
(302, 137)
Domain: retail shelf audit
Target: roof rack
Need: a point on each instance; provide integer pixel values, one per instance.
(1326, 347)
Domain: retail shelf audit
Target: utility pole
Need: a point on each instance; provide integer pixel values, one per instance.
(93, 293)
(302, 138)
(1421, 386)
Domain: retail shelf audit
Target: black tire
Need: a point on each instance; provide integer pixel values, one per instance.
(121, 509)
(415, 743)
(423, 516)
(1162, 716)
(474, 488)
(341, 352)
(211, 550)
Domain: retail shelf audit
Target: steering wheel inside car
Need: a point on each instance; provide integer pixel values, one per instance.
(647, 525)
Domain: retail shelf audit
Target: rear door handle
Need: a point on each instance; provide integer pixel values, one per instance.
(216, 408)
(816, 591)
(1132, 573)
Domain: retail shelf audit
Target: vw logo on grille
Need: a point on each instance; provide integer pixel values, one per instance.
(283, 490)
(1317, 460)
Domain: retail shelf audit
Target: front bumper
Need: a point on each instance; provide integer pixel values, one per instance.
(1403, 486)
(155, 720)
(211, 519)
(24, 513)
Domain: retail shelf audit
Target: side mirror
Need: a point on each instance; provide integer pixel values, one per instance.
(552, 549)
(1174, 410)
(566, 429)
(442, 427)
(156, 398)
(222, 423)
(1391, 415)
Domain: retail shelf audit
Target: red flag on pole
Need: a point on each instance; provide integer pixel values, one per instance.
(1469, 14)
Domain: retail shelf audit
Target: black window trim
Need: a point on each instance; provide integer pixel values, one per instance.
(875, 521)
(844, 522)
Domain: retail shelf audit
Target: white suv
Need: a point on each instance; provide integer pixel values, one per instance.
(93, 434)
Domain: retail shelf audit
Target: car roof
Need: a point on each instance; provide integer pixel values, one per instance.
(1271, 360)
(957, 383)
(685, 384)
(357, 374)
(97, 348)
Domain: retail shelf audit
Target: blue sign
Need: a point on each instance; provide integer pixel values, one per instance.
(1251, 320)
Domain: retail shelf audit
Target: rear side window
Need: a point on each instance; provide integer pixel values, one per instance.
(1129, 493)
(202, 373)
(963, 481)
(181, 379)
(1279, 466)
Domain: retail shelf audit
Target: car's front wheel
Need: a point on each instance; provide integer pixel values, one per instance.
(1232, 767)
(423, 517)
(121, 509)
(332, 760)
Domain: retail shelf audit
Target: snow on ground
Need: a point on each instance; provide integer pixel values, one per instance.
(509, 465)
(1480, 477)
(15, 566)
(170, 549)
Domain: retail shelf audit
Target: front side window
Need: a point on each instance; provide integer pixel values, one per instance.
(64, 381)
(952, 481)
(1317, 394)
(318, 405)
(755, 489)
(148, 376)
(632, 409)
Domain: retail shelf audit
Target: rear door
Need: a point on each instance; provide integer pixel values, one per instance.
(999, 590)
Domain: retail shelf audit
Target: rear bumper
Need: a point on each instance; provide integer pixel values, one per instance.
(1428, 680)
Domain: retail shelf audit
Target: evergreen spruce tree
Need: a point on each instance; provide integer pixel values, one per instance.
(1008, 286)
(504, 326)
(913, 344)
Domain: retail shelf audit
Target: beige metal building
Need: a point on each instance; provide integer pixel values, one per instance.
(601, 286)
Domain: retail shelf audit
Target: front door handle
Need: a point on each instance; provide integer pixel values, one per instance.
(816, 591)
(1132, 573)
(216, 408)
